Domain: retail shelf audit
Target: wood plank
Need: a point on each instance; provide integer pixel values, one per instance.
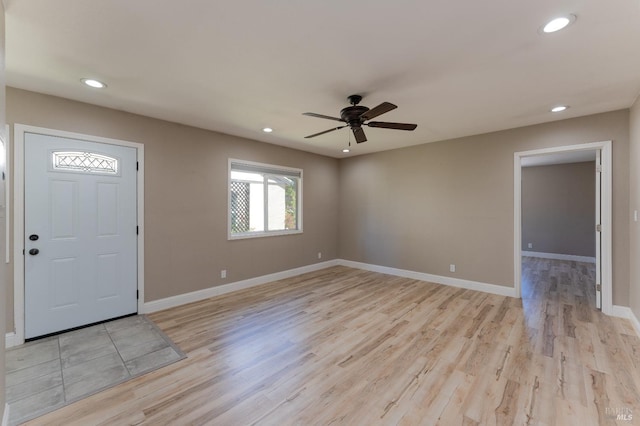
(345, 346)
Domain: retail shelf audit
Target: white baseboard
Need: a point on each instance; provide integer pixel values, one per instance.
(10, 340)
(195, 296)
(181, 299)
(439, 279)
(621, 311)
(5, 416)
(557, 256)
(634, 322)
(626, 312)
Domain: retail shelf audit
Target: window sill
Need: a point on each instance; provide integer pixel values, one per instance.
(263, 234)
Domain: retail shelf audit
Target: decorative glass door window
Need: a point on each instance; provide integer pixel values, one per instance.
(88, 162)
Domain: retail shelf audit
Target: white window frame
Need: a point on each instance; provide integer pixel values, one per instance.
(259, 234)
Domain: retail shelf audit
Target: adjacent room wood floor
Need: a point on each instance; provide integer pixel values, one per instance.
(345, 346)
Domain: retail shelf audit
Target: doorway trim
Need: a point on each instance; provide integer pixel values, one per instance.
(19, 131)
(606, 206)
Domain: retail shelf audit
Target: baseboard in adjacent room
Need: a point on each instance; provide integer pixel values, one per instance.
(557, 256)
(195, 296)
(438, 279)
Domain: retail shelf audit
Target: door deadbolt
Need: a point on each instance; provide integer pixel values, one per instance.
(34, 237)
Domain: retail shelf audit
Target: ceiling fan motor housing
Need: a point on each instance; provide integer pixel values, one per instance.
(351, 115)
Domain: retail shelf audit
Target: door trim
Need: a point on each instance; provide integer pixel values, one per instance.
(19, 131)
(606, 204)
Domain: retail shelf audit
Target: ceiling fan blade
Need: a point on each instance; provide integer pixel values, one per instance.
(322, 133)
(313, 114)
(380, 109)
(397, 126)
(359, 134)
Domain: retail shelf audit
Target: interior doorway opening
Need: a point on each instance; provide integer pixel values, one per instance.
(557, 239)
(560, 207)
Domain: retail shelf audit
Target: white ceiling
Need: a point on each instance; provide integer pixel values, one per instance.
(454, 67)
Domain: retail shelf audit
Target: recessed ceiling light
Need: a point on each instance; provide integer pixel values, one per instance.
(346, 150)
(559, 108)
(267, 130)
(558, 23)
(93, 83)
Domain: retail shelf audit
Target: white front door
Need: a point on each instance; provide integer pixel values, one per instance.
(80, 233)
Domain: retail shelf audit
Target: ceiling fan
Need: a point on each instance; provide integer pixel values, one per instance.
(356, 116)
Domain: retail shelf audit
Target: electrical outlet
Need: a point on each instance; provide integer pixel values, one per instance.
(530, 245)
(319, 255)
(452, 268)
(223, 273)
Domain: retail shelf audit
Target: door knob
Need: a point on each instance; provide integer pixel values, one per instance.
(33, 252)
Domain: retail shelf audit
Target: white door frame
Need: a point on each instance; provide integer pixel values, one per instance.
(606, 203)
(19, 131)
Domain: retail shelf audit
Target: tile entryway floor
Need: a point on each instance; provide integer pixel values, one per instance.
(52, 372)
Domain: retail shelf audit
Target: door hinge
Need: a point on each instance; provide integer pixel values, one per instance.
(598, 228)
(137, 166)
(137, 230)
(598, 287)
(599, 168)
(137, 294)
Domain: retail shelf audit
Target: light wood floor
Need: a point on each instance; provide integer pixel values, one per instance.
(345, 346)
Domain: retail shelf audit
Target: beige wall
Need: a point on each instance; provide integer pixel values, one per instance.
(186, 196)
(558, 209)
(422, 208)
(634, 234)
(419, 208)
(3, 233)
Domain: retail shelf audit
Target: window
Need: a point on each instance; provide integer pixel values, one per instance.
(264, 200)
(88, 162)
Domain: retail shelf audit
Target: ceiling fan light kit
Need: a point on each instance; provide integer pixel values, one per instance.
(356, 116)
